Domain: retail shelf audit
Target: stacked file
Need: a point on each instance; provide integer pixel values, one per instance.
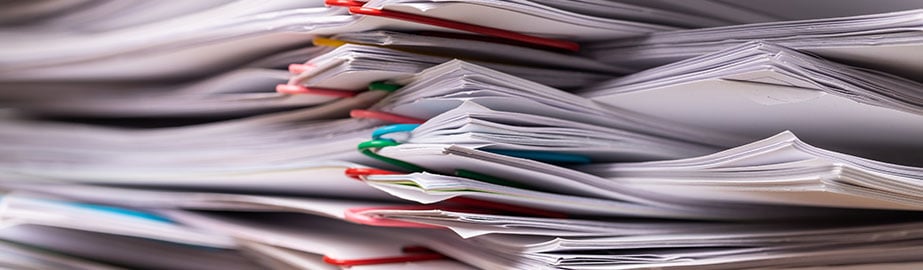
(884, 41)
(780, 169)
(450, 134)
(759, 89)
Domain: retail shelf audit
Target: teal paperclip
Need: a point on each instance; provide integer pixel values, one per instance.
(369, 149)
(122, 211)
(110, 209)
(397, 128)
(543, 156)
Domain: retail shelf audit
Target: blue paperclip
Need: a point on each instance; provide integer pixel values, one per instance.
(122, 211)
(397, 128)
(543, 156)
(111, 209)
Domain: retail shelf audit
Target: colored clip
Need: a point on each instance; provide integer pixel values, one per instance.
(299, 68)
(344, 3)
(108, 209)
(509, 208)
(484, 30)
(413, 254)
(490, 179)
(355, 215)
(369, 149)
(548, 157)
(389, 129)
(476, 37)
(387, 117)
(300, 90)
(326, 42)
(122, 211)
(358, 173)
(383, 86)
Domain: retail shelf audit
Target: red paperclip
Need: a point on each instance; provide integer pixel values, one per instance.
(355, 7)
(299, 68)
(507, 207)
(358, 173)
(416, 254)
(476, 37)
(301, 90)
(355, 215)
(484, 30)
(344, 3)
(388, 117)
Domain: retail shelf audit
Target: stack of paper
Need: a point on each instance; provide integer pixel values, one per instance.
(190, 45)
(755, 11)
(240, 92)
(778, 170)
(99, 232)
(460, 134)
(475, 49)
(884, 41)
(760, 89)
(353, 67)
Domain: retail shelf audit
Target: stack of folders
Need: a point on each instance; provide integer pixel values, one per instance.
(461, 134)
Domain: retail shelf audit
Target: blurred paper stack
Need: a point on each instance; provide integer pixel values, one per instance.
(461, 134)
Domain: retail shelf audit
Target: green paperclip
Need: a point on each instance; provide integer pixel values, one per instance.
(383, 86)
(490, 179)
(368, 148)
(549, 157)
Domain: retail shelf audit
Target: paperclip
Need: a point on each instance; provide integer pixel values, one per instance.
(355, 215)
(326, 42)
(344, 3)
(121, 211)
(368, 148)
(507, 207)
(384, 86)
(490, 179)
(484, 30)
(300, 90)
(397, 128)
(387, 117)
(543, 156)
(417, 254)
(358, 173)
(299, 68)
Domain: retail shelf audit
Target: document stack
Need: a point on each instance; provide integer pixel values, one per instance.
(461, 134)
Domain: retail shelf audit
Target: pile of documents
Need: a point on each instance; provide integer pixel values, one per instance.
(461, 134)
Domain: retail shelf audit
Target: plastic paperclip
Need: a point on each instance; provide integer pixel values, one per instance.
(344, 3)
(387, 117)
(358, 173)
(476, 37)
(299, 68)
(484, 30)
(109, 209)
(398, 128)
(326, 42)
(299, 90)
(549, 157)
(369, 149)
(383, 86)
(490, 179)
(507, 207)
(355, 215)
(120, 211)
(416, 254)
